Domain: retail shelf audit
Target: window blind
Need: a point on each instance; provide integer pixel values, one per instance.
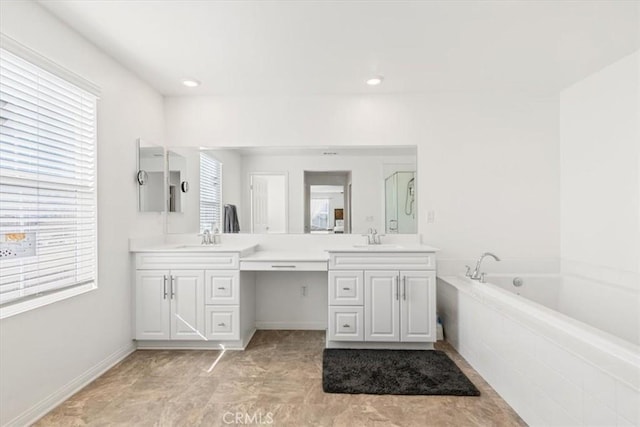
(48, 224)
(210, 193)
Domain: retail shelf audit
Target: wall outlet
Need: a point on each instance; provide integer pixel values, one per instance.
(431, 217)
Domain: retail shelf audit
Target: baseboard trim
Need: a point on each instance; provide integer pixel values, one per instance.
(305, 326)
(43, 407)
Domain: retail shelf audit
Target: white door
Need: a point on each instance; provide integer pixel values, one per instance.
(152, 305)
(187, 305)
(417, 306)
(259, 204)
(381, 306)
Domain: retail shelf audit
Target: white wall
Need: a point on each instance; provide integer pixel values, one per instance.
(488, 163)
(45, 350)
(600, 164)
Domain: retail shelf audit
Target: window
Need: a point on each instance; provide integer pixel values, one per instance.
(210, 193)
(319, 214)
(48, 227)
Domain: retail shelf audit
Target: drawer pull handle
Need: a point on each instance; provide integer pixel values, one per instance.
(221, 324)
(346, 325)
(283, 266)
(346, 289)
(222, 288)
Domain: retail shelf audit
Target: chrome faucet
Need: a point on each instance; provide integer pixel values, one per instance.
(206, 237)
(373, 238)
(476, 274)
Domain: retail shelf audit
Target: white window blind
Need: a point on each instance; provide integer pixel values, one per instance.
(210, 193)
(48, 227)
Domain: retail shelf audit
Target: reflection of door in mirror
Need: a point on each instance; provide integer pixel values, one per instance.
(268, 203)
(150, 177)
(177, 167)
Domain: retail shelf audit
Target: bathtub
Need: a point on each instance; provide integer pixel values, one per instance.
(553, 357)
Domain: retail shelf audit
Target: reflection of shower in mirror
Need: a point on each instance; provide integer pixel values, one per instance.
(400, 202)
(410, 197)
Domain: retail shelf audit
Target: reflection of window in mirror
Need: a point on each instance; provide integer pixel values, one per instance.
(327, 202)
(210, 193)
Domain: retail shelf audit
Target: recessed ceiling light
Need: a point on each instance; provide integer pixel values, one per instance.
(190, 83)
(375, 81)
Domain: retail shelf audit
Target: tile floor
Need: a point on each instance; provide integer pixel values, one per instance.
(276, 381)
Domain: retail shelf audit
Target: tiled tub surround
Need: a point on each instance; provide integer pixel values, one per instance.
(551, 368)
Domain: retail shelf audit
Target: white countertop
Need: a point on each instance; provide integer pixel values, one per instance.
(385, 248)
(181, 247)
(275, 255)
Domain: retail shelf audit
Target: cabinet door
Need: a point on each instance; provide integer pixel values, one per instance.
(417, 306)
(381, 306)
(152, 305)
(345, 287)
(222, 287)
(222, 322)
(187, 305)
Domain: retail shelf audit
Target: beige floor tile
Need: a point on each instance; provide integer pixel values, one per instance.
(277, 378)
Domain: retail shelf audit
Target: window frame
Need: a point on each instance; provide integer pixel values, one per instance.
(12, 308)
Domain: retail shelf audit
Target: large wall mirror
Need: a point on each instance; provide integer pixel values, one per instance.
(150, 176)
(335, 190)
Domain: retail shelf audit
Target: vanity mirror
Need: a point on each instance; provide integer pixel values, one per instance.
(328, 190)
(150, 177)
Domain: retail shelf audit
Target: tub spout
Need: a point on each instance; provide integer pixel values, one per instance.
(476, 274)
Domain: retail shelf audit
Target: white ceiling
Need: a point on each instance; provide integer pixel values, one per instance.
(331, 47)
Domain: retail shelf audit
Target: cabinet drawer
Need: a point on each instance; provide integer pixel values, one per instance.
(345, 287)
(191, 260)
(345, 323)
(382, 261)
(222, 322)
(222, 287)
(283, 266)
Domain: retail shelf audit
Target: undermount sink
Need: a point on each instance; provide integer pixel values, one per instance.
(377, 247)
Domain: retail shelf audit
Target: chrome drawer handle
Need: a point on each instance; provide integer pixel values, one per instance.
(283, 266)
(221, 324)
(346, 326)
(222, 289)
(346, 289)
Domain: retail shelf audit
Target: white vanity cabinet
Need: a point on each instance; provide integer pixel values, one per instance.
(222, 304)
(382, 299)
(397, 306)
(168, 304)
(195, 296)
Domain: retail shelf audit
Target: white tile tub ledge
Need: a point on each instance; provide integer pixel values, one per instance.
(552, 369)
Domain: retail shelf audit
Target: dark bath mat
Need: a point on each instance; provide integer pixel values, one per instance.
(424, 372)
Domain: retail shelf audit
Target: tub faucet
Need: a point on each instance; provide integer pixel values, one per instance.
(476, 274)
